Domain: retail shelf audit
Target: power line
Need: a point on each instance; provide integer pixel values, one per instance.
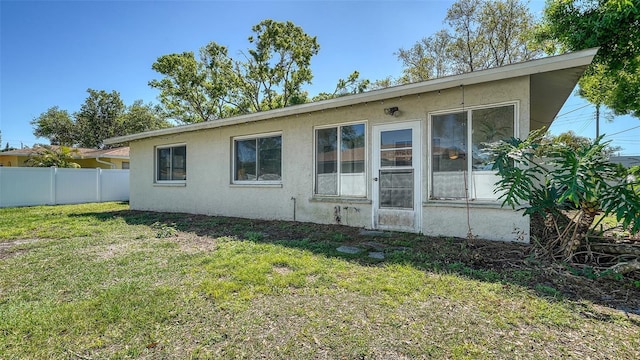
(584, 127)
(576, 109)
(620, 132)
(568, 121)
(627, 138)
(574, 116)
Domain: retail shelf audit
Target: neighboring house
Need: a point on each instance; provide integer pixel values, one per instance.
(407, 158)
(116, 158)
(626, 161)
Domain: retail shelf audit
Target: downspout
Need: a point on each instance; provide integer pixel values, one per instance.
(112, 165)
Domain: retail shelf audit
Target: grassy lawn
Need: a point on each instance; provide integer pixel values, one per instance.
(99, 281)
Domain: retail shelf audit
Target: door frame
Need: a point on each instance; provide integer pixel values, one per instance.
(416, 151)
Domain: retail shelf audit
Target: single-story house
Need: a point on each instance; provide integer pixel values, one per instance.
(407, 158)
(116, 158)
(626, 161)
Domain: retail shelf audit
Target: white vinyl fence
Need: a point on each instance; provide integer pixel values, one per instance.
(24, 186)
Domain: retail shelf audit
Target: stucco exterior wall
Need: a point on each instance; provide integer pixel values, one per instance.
(11, 160)
(487, 221)
(93, 163)
(209, 189)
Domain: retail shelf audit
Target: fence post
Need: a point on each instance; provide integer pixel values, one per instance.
(98, 180)
(1, 185)
(54, 174)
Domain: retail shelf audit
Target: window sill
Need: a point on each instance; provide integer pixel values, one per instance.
(254, 185)
(489, 204)
(170, 184)
(339, 200)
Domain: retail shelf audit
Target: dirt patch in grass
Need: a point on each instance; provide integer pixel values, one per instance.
(7, 248)
(191, 243)
(112, 250)
(282, 270)
(185, 242)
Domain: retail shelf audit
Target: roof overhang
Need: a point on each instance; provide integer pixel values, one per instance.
(549, 91)
(552, 80)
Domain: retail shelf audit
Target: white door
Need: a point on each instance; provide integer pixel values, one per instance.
(396, 176)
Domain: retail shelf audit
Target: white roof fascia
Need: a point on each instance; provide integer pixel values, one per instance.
(114, 157)
(552, 63)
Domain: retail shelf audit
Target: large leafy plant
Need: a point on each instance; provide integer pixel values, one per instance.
(580, 178)
(47, 156)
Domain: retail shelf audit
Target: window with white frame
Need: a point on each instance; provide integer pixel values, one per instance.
(171, 163)
(340, 160)
(258, 159)
(460, 163)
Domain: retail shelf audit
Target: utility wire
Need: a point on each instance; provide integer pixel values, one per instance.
(584, 127)
(576, 109)
(574, 116)
(568, 121)
(620, 132)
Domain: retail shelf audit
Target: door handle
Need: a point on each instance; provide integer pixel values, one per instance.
(375, 179)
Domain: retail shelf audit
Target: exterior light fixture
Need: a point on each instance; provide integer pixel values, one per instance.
(392, 111)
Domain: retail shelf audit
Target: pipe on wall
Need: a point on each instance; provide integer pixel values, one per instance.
(112, 165)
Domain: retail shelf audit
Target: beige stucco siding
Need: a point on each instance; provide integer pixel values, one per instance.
(487, 221)
(84, 163)
(93, 163)
(209, 189)
(10, 160)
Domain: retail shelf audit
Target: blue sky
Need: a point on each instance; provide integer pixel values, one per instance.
(51, 52)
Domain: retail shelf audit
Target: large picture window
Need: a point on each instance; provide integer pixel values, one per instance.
(460, 163)
(340, 160)
(258, 159)
(171, 163)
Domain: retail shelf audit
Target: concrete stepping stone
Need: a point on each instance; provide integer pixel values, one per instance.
(349, 249)
(374, 245)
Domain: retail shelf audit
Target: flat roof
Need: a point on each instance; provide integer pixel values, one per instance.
(553, 79)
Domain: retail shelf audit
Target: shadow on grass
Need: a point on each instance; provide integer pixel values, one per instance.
(490, 261)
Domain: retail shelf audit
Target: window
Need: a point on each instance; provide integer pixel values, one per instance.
(258, 159)
(171, 163)
(340, 160)
(460, 163)
(125, 165)
(396, 169)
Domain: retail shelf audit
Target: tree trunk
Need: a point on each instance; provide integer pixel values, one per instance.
(573, 240)
(616, 249)
(626, 267)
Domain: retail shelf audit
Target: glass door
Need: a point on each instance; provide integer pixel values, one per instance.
(396, 184)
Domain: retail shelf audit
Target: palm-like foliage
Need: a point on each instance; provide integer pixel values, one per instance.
(61, 157)
(581, 177)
